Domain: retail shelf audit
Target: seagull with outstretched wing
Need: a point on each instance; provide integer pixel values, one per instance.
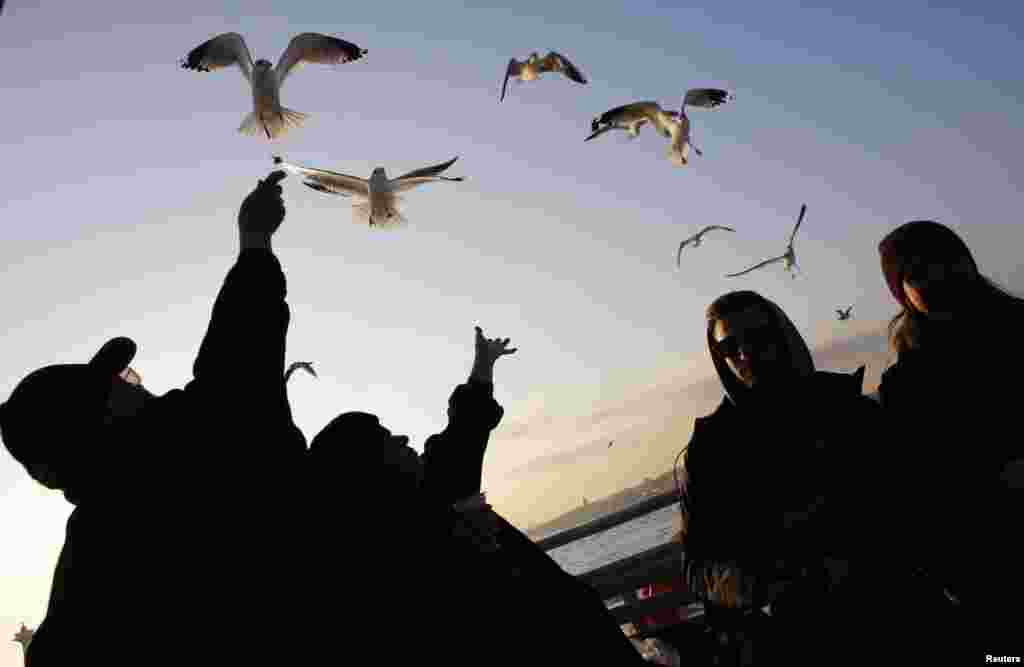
(534, 66)
(844, 314)
(673, 125)
(268, 116)
(696, 239)
(24, 635)
(296, 365)
(376, 198)
(788, 257)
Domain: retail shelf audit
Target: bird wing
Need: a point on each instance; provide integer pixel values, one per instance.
(629, 113)
(409, 183)
(707, 98)
(295, 365)
(599, 132)
(757, 266)
(513, 69)
(799, 220)
(221, 51)
(712, 227)
(428, 171)
(679, 253)
(556, 62)
(325, 190)
(327, 181)
(313, 47)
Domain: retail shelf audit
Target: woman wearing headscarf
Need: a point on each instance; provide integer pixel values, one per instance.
(769, 512)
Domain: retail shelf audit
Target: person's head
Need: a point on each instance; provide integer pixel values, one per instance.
(359, 440)
(933, 277)
(753, 343)
(56, 412)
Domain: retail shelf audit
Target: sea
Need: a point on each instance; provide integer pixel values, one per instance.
(625, 540)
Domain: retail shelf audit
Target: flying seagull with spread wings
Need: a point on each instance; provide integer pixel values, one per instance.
(673, 125)
(268, 116)
(24, 635)
(843, 314)
(534, 66)
(376, 199)
(788, 257)
(696, 239)
(296, 365)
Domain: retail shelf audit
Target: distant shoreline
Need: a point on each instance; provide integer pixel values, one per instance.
(591, 510)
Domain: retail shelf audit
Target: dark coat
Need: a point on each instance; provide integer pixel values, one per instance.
(515, 604)
(747, 467)
(171, 550)
(953, 426)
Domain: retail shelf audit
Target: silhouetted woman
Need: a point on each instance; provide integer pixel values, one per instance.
(951, 405)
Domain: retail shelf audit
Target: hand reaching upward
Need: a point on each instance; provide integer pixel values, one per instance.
(262, 212)
(488, 351)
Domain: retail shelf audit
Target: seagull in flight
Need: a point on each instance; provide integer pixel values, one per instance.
(673, 125)
(24, 635)
(788, 257)
(844, 314)
(296, 365)
(696, 239)
(268, 116)
(534, 66)
(377, 198)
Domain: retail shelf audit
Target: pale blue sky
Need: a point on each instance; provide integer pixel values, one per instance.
(124, 173)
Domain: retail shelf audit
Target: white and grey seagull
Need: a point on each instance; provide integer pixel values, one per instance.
(843, 314)
(377, 197)
(788, 257)
(268, 116)
(534, 66)
(296, 365)
(673, 125)
(696, 239)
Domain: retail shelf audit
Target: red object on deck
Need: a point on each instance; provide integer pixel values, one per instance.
(664, 616)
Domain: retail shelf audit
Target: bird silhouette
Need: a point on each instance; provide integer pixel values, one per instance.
(788, 257)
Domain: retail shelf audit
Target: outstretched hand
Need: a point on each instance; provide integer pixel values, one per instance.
(262, 212)
(488, 350)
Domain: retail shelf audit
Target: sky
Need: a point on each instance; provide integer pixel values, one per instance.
(123, 175)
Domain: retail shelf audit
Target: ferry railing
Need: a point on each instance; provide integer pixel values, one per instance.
(618, 582)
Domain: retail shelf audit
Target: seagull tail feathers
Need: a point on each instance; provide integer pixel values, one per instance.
(679, 155)
(391, 218)
(272, 125)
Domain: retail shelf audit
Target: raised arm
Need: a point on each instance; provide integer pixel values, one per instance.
(241, 360)
(453, 459)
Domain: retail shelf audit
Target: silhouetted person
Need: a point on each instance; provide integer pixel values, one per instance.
(168, 553)
(768, 512)
(512, 600)
(457, 583)
(954, 431)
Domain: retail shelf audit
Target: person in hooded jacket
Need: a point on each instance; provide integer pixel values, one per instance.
(467, 585)
(768, 495)
(172, 493)
(952, 424)
(386, 554)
